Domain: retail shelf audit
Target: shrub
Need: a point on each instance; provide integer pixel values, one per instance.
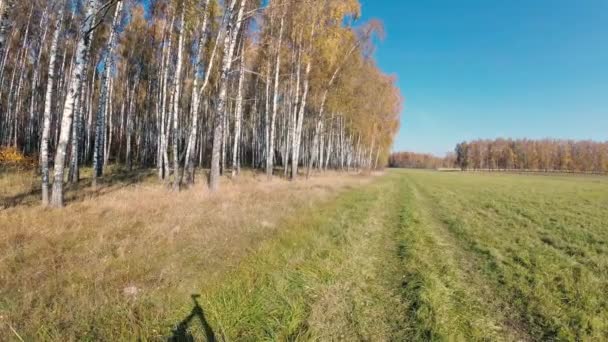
(12, 158)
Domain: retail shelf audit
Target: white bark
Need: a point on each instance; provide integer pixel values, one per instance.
(275, 103)
(22, 71)
(190, 155)
(295, 152)
(46, 126)
(175, 103)
(267, 113)
(98, 157)
(34, 86)
(132, 98)
(229, 43)
(238, 113)
(164, 139)
(109, 124)
(89, 132)
(75, 84)
(74, 174)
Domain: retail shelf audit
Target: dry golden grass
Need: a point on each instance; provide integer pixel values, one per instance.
(130, 243)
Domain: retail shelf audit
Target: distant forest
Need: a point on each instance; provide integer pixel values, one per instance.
(509, 154)
(412, 160)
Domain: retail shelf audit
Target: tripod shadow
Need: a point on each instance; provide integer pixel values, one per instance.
(181, 333)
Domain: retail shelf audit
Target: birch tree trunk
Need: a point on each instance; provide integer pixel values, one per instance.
(46, 125)
(190, 155)
(377, 158)
(238, 112)
(68, 110)
(297, 138)
(175, 103)
(132, 98)
(330, 142)
(164, 169)
(89, 132)
(74, 173)
(229, 42)
(109, 124)
(294, 116)
(98, 157)
(275, 102)
(267, 113)
(22, 70)
(35, 80)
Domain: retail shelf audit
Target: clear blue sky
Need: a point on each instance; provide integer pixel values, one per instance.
(489, 68)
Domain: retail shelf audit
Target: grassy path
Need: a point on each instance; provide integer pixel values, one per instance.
(448, 297)
(331, 276)
(377, 264)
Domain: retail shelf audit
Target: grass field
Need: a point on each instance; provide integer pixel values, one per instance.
(410, 255)
(506, 256)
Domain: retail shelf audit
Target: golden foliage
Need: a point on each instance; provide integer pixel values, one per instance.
(12, 158)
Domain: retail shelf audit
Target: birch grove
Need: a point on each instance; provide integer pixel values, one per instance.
(193, 87)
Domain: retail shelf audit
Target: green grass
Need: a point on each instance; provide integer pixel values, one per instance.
(411, 256)
(330, 276)
(506, 256)
(430, 256)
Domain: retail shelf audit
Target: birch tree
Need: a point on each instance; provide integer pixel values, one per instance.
(198, 71)
(231, 32)
(175, 103)
(98, 157)
(238, 112)
(46, 130)
(75, 84)
(275, 99)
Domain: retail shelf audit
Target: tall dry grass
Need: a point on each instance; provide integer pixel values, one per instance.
(133, 251)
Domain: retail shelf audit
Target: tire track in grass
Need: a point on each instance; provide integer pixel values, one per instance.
(364, 304)
(531, 278)
(447, 297)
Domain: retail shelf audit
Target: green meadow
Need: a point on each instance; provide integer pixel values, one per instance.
(408, 255)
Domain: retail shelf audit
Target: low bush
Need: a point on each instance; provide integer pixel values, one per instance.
(12, 158)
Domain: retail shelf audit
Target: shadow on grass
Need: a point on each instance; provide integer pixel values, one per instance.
(113, 181)
(181, 333)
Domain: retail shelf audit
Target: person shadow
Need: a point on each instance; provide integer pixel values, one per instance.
(181, 332)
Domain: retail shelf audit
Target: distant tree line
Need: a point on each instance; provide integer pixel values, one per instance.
(412, 160)
(539, 155)
(182, 84)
